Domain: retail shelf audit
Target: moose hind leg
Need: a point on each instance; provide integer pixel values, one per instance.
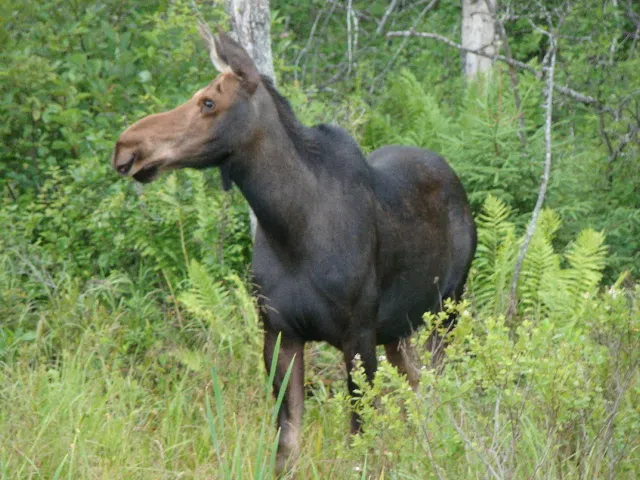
(361, 345)
(399, 355)
(290, 412)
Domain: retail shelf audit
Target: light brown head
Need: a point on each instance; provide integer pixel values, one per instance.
(202, 132)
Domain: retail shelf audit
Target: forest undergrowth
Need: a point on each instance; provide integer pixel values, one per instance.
(130, 346)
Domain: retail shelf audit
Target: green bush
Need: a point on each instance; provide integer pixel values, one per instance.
(550, 402)
(86, 72)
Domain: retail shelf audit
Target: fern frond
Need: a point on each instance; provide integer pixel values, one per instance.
(495, 256)
(540, 269)
(586, 257)
(545, 287)
(223, 310)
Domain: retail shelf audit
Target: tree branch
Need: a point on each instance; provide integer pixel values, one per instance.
(543, 185)
(569, 92)
(309, 41)
(451, 43)
(402, 45)
(387, 12)
(512, 72)
(474, 448)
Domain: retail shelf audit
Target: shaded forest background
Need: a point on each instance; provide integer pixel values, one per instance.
(116, 300)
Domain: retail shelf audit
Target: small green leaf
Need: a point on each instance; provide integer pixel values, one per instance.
(144, 76)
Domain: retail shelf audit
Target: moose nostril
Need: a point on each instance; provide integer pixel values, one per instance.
(125, 167)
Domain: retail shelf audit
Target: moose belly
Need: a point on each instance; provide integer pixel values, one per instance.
(402, 306)
(299, 311)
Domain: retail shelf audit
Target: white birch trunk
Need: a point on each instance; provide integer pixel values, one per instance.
(251, 25)
(478, 33)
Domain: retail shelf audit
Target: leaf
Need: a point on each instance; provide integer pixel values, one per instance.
(144, 76)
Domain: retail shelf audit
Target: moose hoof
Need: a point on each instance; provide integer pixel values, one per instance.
(285, 461)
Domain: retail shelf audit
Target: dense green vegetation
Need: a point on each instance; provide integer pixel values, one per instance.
(129, 345)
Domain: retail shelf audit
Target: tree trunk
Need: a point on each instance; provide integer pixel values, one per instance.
(251, 23)
(478, 33)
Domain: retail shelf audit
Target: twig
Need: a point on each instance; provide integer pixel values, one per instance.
(470, 444)
(197, 13)
(636, 36)
(13, 195)
(362, 15)
(604, 133)
(350, 49)
(340, 68)
(173, 297)
(451, 43)
(308, 45)
(355, 30)
(384, 18)
(325, 24)
(402, 45)
(436, 467)
(349, 52)
(545, 179)
(512, 72)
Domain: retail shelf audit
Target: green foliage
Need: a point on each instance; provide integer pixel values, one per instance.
(495, 256)
(541, 404)
(209, 304)
(73, 80)
(107, 381)
(117, 301)
(478, 137)
(412, 118)
(549, 282)
(69, 74)
(233, 465)
(74, 390)
(315, 62)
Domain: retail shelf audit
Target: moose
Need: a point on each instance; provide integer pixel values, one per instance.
(348, 250)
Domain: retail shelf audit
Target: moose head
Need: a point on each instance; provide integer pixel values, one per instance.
(216, 122)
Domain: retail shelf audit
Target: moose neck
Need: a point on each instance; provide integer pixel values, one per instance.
(273, 177)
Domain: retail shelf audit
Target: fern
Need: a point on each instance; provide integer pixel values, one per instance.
(495, 256)
(223, 311)
(410, 117)
(479, 138)
(540, 268)
(586, 258)
(550, 284)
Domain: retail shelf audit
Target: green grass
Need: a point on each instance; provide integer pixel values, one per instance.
(73, 405)
(78, 402)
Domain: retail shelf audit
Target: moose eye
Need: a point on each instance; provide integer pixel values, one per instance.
(207, 105)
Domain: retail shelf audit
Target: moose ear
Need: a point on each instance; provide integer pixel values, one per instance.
(213, 48)
(232, 54)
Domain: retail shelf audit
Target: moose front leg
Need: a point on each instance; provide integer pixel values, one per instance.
(290, 413)
(362, 344)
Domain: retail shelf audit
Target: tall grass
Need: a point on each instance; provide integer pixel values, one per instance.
(76, 401)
